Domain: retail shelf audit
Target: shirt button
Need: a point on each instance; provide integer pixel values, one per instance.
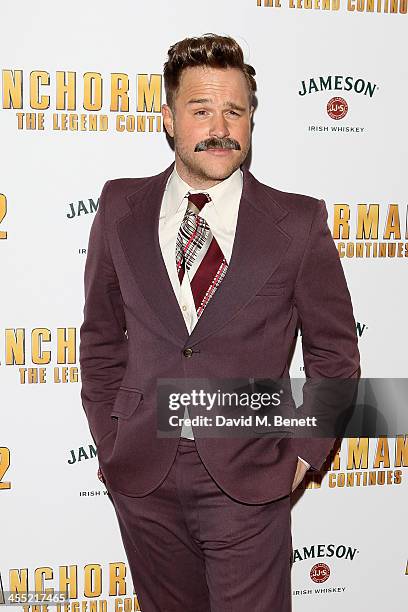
(184, 307)
(188, 352)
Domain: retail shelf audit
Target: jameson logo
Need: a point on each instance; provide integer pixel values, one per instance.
(337, 83)
(76, 209)
(360, 328)
(340, 551)
(81, 454)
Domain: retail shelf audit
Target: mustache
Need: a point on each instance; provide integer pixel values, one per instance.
(217, 143)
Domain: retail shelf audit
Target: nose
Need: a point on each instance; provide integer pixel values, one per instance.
(219, 126)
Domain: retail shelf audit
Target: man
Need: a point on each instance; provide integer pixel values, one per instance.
(204, 272)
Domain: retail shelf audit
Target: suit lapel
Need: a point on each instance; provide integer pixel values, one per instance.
(259, 246)
(139, 237)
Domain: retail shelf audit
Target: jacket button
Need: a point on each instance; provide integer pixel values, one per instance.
(188, 352)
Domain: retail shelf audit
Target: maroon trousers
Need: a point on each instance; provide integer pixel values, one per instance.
(192, 548)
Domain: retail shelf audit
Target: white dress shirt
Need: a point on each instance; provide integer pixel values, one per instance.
(221, 214)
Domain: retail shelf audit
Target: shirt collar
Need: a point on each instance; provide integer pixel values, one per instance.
(220, 194)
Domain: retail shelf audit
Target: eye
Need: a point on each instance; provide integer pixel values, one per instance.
(200, 112)
(235, 113)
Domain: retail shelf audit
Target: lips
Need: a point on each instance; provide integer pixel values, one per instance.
(219, 150)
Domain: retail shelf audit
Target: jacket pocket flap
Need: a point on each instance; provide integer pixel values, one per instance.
(126, 402)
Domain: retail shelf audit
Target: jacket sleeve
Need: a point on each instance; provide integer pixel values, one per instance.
(103, 341)
(329, 338)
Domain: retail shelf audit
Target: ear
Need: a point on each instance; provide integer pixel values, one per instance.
(168, 120)
(251, 111)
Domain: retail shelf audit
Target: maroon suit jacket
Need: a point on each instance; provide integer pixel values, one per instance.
(284, 268)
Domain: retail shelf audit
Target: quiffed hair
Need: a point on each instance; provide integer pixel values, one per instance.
(207, 50)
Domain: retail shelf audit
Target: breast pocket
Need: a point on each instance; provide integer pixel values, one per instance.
(126, 402)
(271, 288)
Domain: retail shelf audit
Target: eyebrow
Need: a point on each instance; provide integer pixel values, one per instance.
(209, 101)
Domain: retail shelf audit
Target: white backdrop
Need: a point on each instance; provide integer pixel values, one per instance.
(56, 520)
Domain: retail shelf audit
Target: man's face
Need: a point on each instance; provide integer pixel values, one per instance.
(211, 124)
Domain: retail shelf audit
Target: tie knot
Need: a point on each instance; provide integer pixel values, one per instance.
(198, 199)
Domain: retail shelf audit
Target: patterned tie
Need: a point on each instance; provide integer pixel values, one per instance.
(192, 236)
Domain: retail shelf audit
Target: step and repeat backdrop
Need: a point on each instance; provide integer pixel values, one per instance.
(81, 96)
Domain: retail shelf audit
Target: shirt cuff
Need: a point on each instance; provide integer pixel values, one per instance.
(305, 462)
